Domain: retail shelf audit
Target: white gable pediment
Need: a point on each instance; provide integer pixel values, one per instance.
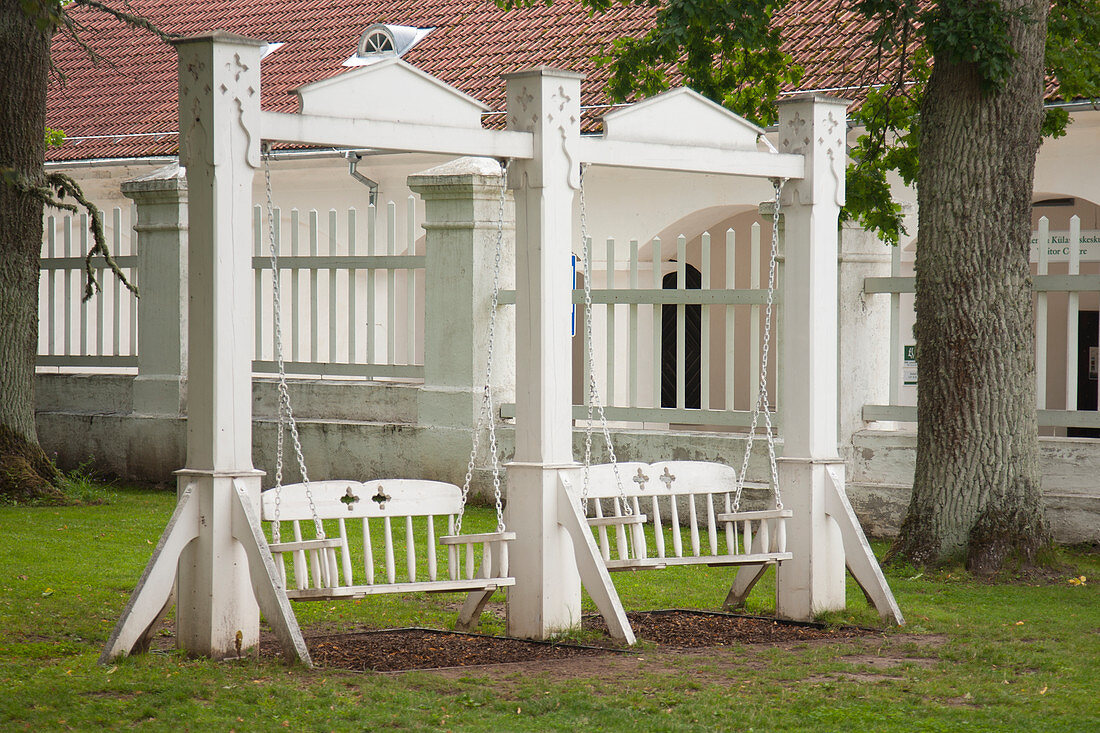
(681, 116)
(393, 91)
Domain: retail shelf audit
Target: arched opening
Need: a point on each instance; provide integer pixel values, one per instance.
(693, 317)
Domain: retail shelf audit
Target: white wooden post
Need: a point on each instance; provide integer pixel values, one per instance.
(813, 581)
(219, 103)
(461, 208)
(547, 594)
(161, 199)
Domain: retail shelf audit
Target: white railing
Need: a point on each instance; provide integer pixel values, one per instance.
(98, 333)
(349, 307)
(1066, 283)
(631, 361)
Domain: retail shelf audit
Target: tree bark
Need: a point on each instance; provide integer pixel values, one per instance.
(24, 67)
(976, 491)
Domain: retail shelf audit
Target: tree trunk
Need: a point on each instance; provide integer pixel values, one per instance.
(24, 64)
(976, 492)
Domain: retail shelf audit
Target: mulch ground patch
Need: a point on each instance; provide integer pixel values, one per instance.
(403, 649)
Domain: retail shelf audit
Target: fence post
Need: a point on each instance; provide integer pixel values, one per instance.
(461, 211)
(161, 223)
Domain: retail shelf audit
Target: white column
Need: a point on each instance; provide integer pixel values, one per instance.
(546, 598)
(864, 338)
(219, 100)
(161, 200)
(461, 211)
(813, 581)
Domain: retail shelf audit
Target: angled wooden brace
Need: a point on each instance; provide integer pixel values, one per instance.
(153, 595)
(858, 556)
(266, 583)
(593, 572)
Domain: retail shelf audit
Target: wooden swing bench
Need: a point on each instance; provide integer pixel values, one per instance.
(333, 568)
(665, 497)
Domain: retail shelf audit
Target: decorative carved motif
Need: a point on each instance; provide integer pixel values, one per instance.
(381, 498)
(666, 478)
(795, 138)
(349, 498)
(569, 129)
(641, 479)
(242, 94)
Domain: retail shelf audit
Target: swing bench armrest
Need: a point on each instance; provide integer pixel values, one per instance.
(749, 516)
(306, 545)
(626, 519)
(470, 539)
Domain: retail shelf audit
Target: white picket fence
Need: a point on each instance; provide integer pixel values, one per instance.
(1062, 292)
(352, 306)
(99, 333)
(629, 312)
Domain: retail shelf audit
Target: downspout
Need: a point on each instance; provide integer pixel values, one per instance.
(353, 162)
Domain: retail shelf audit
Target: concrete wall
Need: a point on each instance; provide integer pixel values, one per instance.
(368, 430)
(881, 475)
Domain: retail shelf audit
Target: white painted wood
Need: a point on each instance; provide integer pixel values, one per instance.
(1073, 314)
(314, 293)
(544, 104)
(154, 589)
(333, 241)
(264, 577)
(632, 347)
(387, 533)
(731, 333)
(859, 558)
(755, 342)
(410, 549)
(704, 331)
(423, 586)
(410, 283)
(609, 367)
(372, 215)
(430, 544)
(689, 159)
(593, 571)
(655, 352)
(391, 284)
(386, 135)
(681, 323)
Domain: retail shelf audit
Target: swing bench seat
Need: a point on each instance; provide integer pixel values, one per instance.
(364, 554)
(687, 517)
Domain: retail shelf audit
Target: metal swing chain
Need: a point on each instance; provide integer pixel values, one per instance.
(286, 414)
(486, 413)
(762, 399)
(594, 401)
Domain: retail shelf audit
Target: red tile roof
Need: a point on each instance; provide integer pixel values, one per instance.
(126, 107)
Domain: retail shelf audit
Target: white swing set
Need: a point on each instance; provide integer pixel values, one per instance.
(214, 560)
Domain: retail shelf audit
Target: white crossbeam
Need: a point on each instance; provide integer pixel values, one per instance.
(388, 135)
(690, 158)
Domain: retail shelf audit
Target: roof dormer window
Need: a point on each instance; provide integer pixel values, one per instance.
(383, 41)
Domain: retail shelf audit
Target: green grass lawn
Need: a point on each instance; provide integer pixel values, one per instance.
(974, 656)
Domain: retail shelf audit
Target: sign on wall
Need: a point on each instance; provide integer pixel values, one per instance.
(1058, 246)
(909, 365)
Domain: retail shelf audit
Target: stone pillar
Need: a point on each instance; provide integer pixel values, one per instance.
(547, 594)
(462, 207)
(864, 367)
(813, 581)
(161, 199)
(219, 104)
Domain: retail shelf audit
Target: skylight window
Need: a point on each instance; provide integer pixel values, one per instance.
(383, 41)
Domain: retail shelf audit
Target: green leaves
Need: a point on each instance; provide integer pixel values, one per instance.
(727, 51)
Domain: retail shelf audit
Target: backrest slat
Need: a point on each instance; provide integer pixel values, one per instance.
(712, 530)
(368, 552)
(431, 548)
(345, 553)
(410, 550)
(693, 525)
(387, 531)
(658, 531)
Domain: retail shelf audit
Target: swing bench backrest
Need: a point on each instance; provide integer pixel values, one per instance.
(371, 529)
(681, 514)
